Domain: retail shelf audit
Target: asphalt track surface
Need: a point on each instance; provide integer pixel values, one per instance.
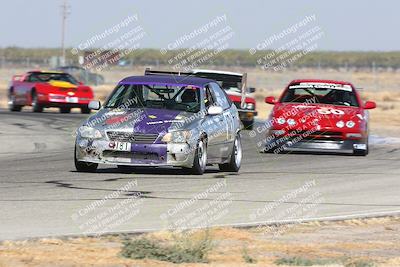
(42, 195)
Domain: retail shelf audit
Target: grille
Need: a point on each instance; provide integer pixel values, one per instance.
(131, 155)
(320, 135)
(324, 133)
(136, 138)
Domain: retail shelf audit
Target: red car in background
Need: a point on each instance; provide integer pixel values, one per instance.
(43, 89)
(319, 116)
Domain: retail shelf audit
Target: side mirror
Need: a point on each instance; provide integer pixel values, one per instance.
(270, 100)
(94, 105)
(369, 105)
(215, 110)
(80, 83)
(252, 90)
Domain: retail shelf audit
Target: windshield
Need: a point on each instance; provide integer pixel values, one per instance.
(341, 95)
(48, 76)
(172, 97)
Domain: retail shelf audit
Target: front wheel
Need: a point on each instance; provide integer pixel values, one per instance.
(11, 103)
(82, 166)
(36, 107)
(236, 157)
(200, 158)
(361, 152)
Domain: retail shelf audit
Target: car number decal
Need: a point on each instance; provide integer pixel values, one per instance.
(326, 111)
(120, 146)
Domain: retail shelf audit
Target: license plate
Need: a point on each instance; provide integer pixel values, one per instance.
(121, 146)
(70, 99)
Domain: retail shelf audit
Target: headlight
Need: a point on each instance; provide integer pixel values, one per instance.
(177, 137)
(281, 120)
(89, 132)
(291, 122)
(350, 124)
(340, 124)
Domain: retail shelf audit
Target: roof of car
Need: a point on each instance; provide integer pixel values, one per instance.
(166, 79)
(320, 81)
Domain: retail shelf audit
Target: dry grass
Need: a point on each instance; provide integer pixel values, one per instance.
(362, 241)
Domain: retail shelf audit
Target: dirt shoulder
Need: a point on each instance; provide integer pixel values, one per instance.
(366, 242)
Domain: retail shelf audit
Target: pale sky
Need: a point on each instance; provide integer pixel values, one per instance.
(347, 24)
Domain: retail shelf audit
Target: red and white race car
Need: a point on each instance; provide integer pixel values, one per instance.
(319, 116)
(42, 89)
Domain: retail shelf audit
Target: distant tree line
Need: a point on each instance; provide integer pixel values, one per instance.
(231, 57)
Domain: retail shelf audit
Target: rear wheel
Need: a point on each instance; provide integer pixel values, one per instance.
(36, 107)
(82, 166)
(65, 110)
(236, 157)
(200, 158)
(11, 103)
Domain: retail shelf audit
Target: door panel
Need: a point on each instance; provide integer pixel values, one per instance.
(216, 129)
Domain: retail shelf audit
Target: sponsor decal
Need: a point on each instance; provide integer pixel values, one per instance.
(345, 87)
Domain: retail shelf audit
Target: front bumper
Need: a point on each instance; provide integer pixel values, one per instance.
(99, 151)
(57, 100)
(317, 146)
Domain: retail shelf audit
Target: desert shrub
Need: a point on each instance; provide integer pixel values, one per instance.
(182, 249)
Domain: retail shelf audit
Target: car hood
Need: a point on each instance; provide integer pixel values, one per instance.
(321, 114)
(143, 120)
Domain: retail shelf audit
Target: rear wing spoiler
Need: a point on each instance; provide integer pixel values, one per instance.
(148, 71)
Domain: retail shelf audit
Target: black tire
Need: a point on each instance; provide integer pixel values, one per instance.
(36, 107)
(200, 158)
(361, 152)
(82, 166)
(65, 110)
(236, 157)
(248, 125)
(85, 110)
(11, 103)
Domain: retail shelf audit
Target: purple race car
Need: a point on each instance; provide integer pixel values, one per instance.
(156, 121)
